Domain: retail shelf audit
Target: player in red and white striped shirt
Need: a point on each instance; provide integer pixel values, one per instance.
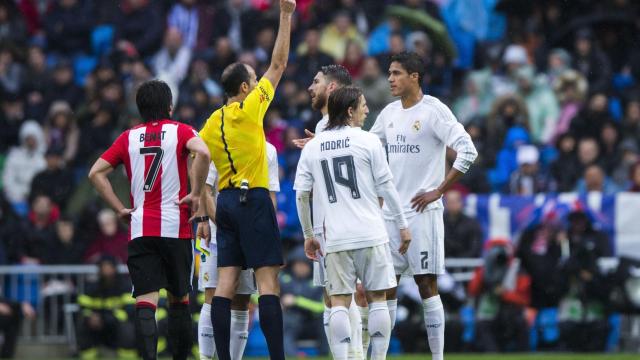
(155, 156)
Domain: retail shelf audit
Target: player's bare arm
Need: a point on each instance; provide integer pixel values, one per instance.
(200, 167)
(208, 208)
(280, 53)
(98, 177)
(421, 201)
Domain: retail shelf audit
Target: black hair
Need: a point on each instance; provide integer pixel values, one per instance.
(337, 73)
(232, 77)
(340, 101)
(154, 100)
(411, 62)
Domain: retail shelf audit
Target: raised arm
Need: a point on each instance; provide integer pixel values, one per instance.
(280, 53)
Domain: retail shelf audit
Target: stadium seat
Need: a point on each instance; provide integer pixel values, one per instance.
(102, 40)
(545, 329)
(82, 66)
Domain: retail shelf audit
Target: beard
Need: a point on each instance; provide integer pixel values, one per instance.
(319, 101)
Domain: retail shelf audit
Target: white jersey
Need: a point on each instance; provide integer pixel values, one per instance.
(416, 140)
(318, 210)
(212, 180)
(343, 168)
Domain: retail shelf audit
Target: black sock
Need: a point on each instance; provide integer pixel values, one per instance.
(146, 330)
(271, 324)
(180, 330)
(221, 321)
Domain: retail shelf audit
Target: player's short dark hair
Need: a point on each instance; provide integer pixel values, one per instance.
(337, 73)
(411, 62)
(339, 103)
(232, 77)
(154, 100)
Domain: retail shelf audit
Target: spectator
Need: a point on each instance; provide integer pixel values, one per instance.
(506, 161)
(11, 71)
(12, 26)
(591, 62)
(104, 320)
(507, 111)
(463, 234)
(302, 304)
(61, 131)
(629, 156)
(631, 121)
(172, 61)
(476, 99)
(527, 180)
(224, 56)
(185, 17)
(311, 57)
(375, 89)
(610, 145)
(24, 162)
(12, 314)
(582, 315)
(265, 39)
(10, 232)
(336, 35)
(571, 90)
(566, 169)
(353, 59)
(95, 134)
(396, 46)
(34, 245)
(11, 119)
(62, 87)
(514, 57)
(139, 28)
(68, 26)
(558, 62)
(590, 120)
(502, 292)
(595, 180)
(634, 178)
(66, 247)
(55, 181)
(37, 80)
(111, 240)
(588, 153)
(542, 105)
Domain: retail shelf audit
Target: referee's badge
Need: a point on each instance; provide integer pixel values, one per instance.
(417, 125)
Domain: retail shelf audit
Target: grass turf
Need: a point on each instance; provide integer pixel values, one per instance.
(502, 356)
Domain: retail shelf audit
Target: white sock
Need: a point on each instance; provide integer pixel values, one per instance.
(239, 333)
(393, 306)
(434, 322)
(355, 347)
(379, 329)
(340, 332)
(325, 321)
(364, 315)
(206, 344)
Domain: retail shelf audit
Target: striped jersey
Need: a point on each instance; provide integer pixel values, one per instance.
(155, 158)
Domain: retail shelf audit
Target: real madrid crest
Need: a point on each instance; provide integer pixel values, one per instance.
(417, 125)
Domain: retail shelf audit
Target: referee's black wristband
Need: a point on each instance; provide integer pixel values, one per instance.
(200, 219)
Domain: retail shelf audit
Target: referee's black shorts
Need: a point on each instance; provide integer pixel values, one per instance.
(160, 263)
(247, 234)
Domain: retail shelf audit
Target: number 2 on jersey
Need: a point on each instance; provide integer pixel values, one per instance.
(341, 164)
(152, 174)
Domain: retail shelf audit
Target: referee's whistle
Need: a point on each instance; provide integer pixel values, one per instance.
(244, 189)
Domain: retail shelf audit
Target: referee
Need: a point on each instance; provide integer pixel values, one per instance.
(247, 233)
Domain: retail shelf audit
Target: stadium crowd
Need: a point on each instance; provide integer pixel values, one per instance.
(548, 91)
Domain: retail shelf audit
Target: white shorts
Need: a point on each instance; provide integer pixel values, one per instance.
(319, 268)
(426, 251)
(208, 277)
(373, 265)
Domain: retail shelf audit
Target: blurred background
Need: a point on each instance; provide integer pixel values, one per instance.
(542, 236)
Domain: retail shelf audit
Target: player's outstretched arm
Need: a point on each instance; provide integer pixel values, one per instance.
(200, 166)
(280, 53)
(98, 177)
(300, 143)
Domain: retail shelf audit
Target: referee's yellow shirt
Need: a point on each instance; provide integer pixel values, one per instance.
(235, 137)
